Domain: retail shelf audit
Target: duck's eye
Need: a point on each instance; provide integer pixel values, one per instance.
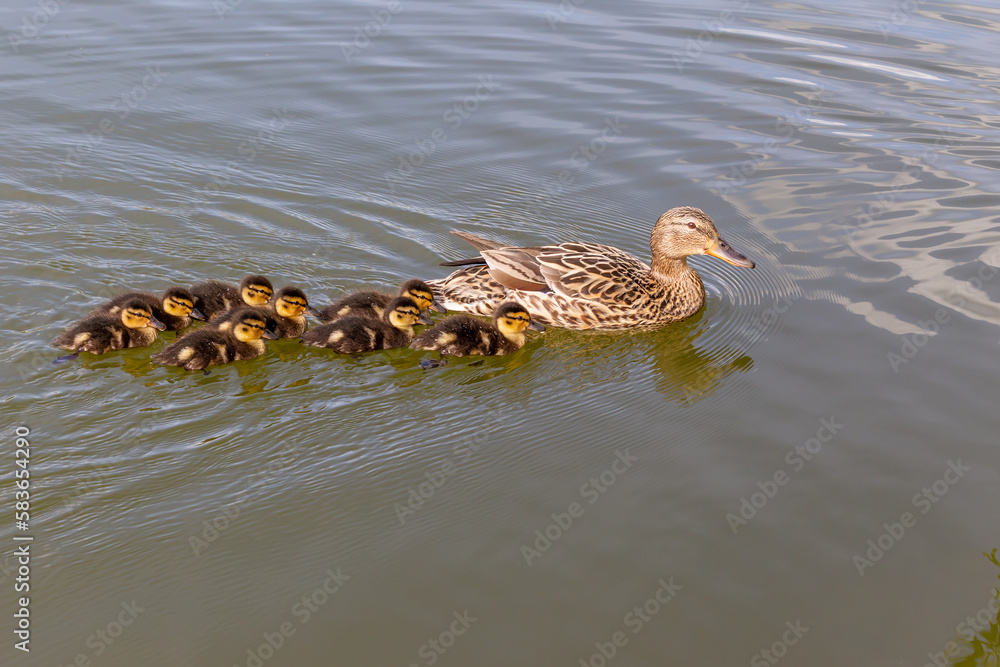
(691, 225)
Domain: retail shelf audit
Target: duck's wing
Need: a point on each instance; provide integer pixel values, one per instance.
(574, 270)
(517, 268)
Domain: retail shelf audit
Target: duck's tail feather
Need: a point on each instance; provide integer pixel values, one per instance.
(465, 262)
(478, 242)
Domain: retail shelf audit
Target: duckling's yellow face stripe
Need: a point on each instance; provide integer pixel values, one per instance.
(516, 321)
(136, 318)
(422, 297)
(406, 314)
(178, 307)
(251, 328)
(290, 306)
(256, 295)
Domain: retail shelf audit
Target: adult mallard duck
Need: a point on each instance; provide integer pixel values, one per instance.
(591, 286)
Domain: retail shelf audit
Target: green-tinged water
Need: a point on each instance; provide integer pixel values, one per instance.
(804, 473)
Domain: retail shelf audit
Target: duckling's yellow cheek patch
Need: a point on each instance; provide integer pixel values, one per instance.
(178, 308)
(185, 354)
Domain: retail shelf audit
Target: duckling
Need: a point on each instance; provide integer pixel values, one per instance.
(215, 297)
(210, 346)
(285, 317)
(133, 326)
(372, 303)
(175, 308)
(460, 335)
(355, 334)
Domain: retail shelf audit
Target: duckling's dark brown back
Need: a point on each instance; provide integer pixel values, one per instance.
(463, 335)
(213, 297)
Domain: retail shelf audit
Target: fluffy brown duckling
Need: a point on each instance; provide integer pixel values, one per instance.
(285, 317)
(355, 334)
(210, 346)
(133, 326)
(214, 297)
(175, 308)
(372, 303)
(461, 335)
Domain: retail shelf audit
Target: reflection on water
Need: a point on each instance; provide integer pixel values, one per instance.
(682, 371)
(849, 149)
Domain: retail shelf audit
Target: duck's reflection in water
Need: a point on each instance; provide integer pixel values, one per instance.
(682, 371)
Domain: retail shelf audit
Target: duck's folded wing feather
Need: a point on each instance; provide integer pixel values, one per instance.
(516, 268)
(598, 273)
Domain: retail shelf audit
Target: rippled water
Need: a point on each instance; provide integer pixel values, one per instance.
(724, 475)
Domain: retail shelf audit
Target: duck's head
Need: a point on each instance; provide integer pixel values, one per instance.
(422, 293)
(403, 312)
(179, 302)
(250, 326)
(685, 231)
(512, 319)
(135, 315)
(291, 302)
(256, 290)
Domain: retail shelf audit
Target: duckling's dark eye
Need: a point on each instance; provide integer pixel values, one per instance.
(691, 225)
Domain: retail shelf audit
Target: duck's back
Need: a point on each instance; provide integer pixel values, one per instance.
(96, 334)
(367, 303)
(214, 297)
(198, 349)
(115, 305)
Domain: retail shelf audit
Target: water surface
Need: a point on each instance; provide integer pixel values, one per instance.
(850, 150)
